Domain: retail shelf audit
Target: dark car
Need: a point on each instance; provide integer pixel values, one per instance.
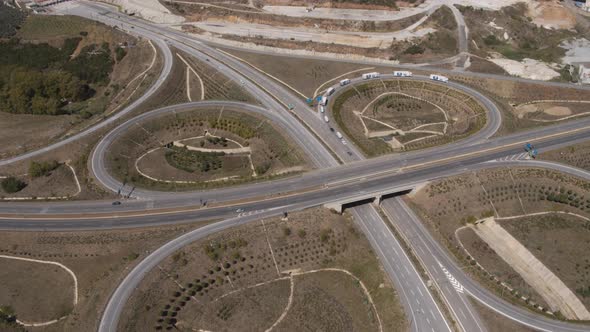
(116, 203)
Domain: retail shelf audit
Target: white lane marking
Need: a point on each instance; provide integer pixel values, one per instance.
(458, 287)
(420, 291)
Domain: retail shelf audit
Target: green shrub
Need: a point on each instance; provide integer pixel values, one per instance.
(12, 185)
(414, 49)
(44, 168)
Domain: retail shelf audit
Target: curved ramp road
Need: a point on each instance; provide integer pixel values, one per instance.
(294, 131)
(112, 119)
(312, 189)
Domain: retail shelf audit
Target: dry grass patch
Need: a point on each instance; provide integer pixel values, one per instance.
(37, 292)
(99, 259)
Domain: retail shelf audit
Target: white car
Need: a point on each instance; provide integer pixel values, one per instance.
(240, 210)
(326, 119)
(339, 135)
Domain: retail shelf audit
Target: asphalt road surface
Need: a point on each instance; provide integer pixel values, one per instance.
(375, 175)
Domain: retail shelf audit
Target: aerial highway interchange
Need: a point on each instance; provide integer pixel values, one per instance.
(341, 176)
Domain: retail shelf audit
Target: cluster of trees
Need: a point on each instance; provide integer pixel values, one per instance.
(10, 20)
(41, 79)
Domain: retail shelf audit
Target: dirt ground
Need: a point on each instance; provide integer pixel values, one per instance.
(37, 292)
(270, 152)
(508, 95)
(576, 155)
(449, 204)
(561, 243)
(240, 279)
(22, 133)
(496, 322)
(99, 259)
(60, 182)
(421, 122)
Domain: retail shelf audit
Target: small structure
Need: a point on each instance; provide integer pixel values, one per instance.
(584, 74)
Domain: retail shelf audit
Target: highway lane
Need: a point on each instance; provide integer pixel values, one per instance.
(421, 308)
(384, 168)
(167, 58)
(422, 241)
(322, 195)
(450, 289)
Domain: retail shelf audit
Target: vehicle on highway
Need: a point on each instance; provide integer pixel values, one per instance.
(344, 82)
(331, 129)
(116, 203)
(324, 101)
(322, 109)
(240, 210)
(439, 78)
(339, 135)
(330, 91)
(326, 119)
(402, 73)
(368, 76)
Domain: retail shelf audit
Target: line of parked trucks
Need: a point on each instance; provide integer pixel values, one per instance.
(368, 76)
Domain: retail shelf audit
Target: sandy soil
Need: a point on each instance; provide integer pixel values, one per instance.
(350, 14)
(551, 15)
(151, 10)
(578, 50)
(527, 68)
(357, 39)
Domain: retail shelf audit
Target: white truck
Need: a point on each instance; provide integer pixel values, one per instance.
(324, 101)
(368, 76)
(339, 135)
(326, 119)
(330, 91)
(439, 78)
(402, 73)
(344, 82)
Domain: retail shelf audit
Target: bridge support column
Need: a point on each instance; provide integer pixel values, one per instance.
(334, 206)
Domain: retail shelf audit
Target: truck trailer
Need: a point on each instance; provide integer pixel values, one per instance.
(402, 73)
(368, 76)
(439, 78)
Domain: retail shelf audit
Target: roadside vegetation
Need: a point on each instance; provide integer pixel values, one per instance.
(11, 185)
(449, 207)
(241, 277)
(10, 20)
(60, 73)
(41, 79)
(186, 150)
(384, 116)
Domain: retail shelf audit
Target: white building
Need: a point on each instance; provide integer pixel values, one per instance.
(584, 74)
